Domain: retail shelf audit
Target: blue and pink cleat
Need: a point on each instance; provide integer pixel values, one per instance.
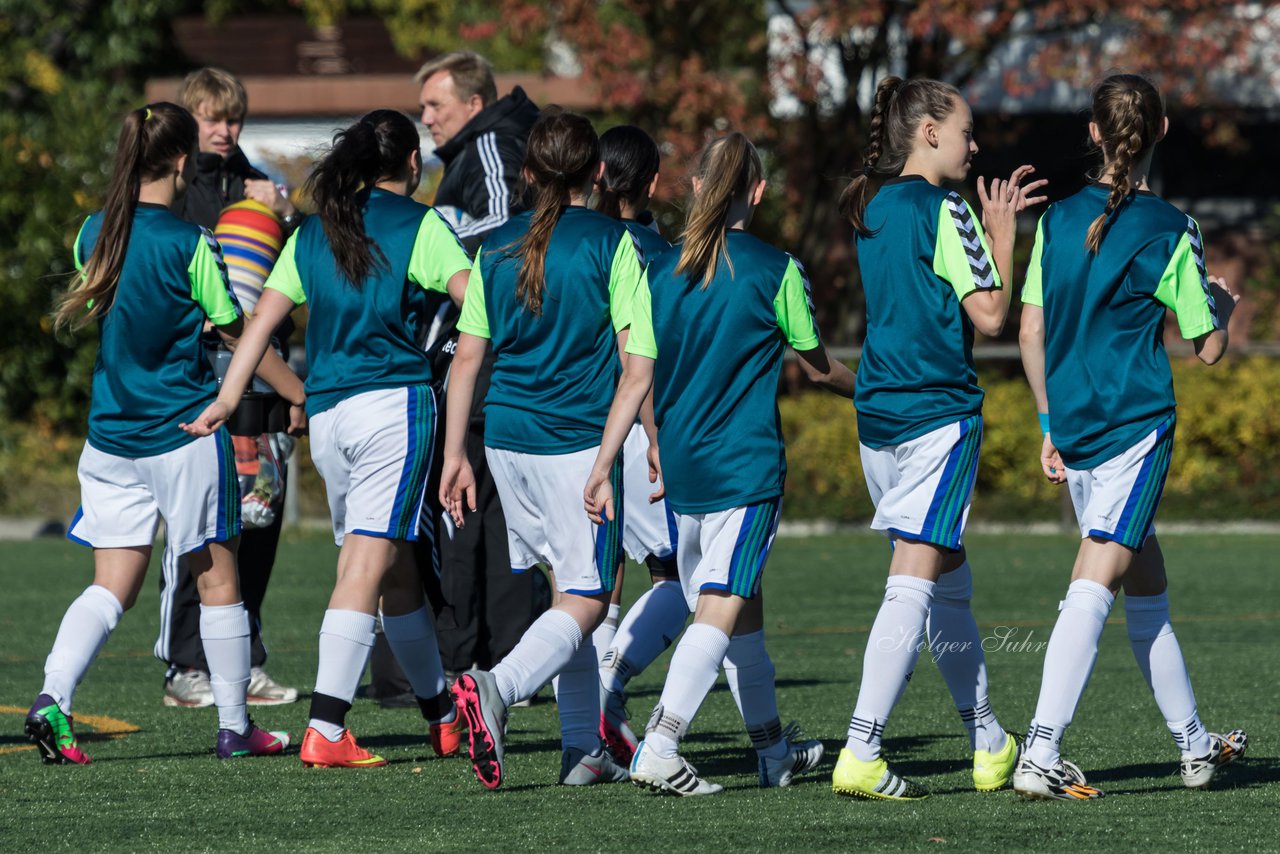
(256, 742)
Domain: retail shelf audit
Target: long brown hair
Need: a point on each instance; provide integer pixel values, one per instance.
(375, 148)
(563, 154)
(151, 140)
(1128, 110)
(728, 169)
(901, 105)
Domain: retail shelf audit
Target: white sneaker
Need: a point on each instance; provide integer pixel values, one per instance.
(673, 776)
(265, 691)
(188, 689)
(1197, 771)
(1062, 781)
(582, 769)
(801, 756)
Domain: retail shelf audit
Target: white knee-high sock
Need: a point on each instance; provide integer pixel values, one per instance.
(346, 639)
(602, 637)
(957, 650)
(89, 621)
(750, 673)
(1068, 662)
(653, 622)
(542, 652)
(578, 699)
(893, 646)
(224, 632)
(1159, 657)
(412, 638)
(694, 668)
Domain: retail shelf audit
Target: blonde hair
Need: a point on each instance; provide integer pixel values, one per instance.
(472, 75)
(217, 91)
(729, 168)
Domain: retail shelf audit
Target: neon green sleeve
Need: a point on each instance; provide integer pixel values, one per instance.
(793, 307)
(1184, 287)
(961, 255)
(284, 275)
(474, 319)
(210, 287)
(624, 278)
(1032, 286)
(437, 254)
(641, 341)
(75, 247)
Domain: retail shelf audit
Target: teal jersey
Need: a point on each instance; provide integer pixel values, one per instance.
(926, 253)
(362, 338)
(718, 353)
(554, 373)
(651, 243)
(1107, 372)
(151, 373)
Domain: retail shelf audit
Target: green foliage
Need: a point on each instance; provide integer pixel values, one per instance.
(1226, 451)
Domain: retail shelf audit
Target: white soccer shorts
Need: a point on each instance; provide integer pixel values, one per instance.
(650, 528)
(922, 488)
(194, 488)
(727, 549)
(1117, 500)
(374, 452)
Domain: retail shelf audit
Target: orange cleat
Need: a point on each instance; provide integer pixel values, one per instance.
(319, 752)
(446, 739)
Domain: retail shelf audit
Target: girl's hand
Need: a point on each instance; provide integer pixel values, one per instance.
(655, 475)
(457, 481)
(213, 417)
(1224, 299)
(1051, 461)
(1007, 199)
(597, 497)
(297, 420)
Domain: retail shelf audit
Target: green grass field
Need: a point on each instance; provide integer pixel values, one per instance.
(160, 788)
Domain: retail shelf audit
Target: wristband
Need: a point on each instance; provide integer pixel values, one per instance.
(1044, 423)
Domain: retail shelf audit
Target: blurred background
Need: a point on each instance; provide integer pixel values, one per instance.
(795, 76)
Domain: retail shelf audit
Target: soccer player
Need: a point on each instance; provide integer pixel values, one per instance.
(364, 265)
(151, 280)
(717, 313)
(930, 279)
(552, 289)
(1107, 263)
(631, 160)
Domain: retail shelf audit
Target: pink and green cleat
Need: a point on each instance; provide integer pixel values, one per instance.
(256, 742)
(50, 730)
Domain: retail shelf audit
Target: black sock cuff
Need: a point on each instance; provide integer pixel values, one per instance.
(437, 707)
(329, 709)
(662, 567)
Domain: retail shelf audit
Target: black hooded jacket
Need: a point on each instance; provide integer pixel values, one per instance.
(218, 182)
(482, 163)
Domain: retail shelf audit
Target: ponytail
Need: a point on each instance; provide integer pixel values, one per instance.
(631, 160)
(729, 168)
(901, 105)
(1128, 110)
(562, 156)
(375, 148)
(151, 140)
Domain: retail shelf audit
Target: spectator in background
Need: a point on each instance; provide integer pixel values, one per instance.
(223, 176)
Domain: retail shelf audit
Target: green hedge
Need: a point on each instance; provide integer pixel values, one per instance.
(1225, 461)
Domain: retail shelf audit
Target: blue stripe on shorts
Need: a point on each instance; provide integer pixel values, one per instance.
(609, 535)
(420, 418)
(751, 549)
(942, 524)
(228, 514)
(1140, 508)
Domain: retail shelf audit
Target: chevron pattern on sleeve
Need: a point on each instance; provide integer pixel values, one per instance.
(1197, 250)
(808, 290)
(980, 264)
(216, 249)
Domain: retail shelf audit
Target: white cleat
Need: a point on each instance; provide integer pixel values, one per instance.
(801, 756)
(672, 776)
(1197, 771)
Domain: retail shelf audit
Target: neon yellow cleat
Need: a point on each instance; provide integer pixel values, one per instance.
(992, 771)
(874, 780)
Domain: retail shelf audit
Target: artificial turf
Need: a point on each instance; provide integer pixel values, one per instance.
(160, 788)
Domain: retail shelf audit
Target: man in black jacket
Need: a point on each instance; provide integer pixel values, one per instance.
(481, 140)
(223, 175)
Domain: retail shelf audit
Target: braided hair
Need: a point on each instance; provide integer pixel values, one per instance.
(1129, 113)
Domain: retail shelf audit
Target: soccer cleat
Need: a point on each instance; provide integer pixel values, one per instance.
(582, 769)
(1197, 771)
(446, 738)
(188, 689)
(319, 752)
(874, 780)
(671, 776)
(257, 742)
(52, 732)
(485, 713)
(1064, 781)
(615, 727)
(992, 771)
(265, 691)
(801, 756)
